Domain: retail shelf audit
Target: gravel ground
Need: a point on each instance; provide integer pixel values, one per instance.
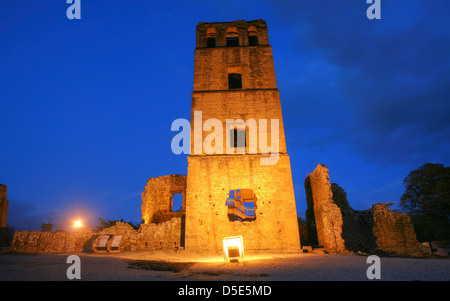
(182, 265)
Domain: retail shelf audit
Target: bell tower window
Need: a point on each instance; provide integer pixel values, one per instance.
(232, 37)
(211, 37)
(252, 36)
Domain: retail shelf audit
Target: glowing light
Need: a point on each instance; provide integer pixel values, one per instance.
(233, 248)
(78, 223)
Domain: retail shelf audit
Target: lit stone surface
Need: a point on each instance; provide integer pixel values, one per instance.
(157, 198)
(211, 177)
(340, 229)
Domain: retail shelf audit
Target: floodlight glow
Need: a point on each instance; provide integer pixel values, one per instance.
(233, 248)
(78, 223)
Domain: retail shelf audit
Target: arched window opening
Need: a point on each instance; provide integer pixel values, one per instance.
(252, 36)
(232, 37)
(211, 37)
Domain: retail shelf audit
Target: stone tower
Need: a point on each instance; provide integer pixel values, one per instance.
(234, 79)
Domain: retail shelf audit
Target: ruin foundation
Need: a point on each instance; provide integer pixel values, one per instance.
(166, 235)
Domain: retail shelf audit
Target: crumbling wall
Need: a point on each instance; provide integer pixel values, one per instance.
(163, 228)
(357, 224)
(129, 241)
(166, 235)
(3, 214)
(49, 242)
(328, 216)
(341, 229)
(394, 232)
(309, 234)
(157, 198)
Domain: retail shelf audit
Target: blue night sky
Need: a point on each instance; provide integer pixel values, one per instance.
(86, 105)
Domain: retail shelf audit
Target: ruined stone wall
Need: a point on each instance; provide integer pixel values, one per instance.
(129, 241)
(210, 178)
(357, 224)
(157, 198)
(3, 206)
(4, 203)
(166, 235)
(48, 242)
(375, 231)
(394, 232)
(328, 216)
(310, 237)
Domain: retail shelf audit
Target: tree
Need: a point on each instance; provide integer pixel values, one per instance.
(427, 201)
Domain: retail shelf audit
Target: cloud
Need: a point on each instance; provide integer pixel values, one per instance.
(24, 216)
(379, 86)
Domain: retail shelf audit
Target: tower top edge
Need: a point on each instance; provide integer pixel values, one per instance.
(258, 22)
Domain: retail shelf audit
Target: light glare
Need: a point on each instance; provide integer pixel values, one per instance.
(78, 224)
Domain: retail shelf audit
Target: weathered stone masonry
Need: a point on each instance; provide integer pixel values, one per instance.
(4, 203)
(53, 242)
(333, 224)
(328, 217)
(166, 235)
(211, 176)
(157, 198)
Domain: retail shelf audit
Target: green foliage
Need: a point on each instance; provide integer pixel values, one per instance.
(103, 224)
(427, 201)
